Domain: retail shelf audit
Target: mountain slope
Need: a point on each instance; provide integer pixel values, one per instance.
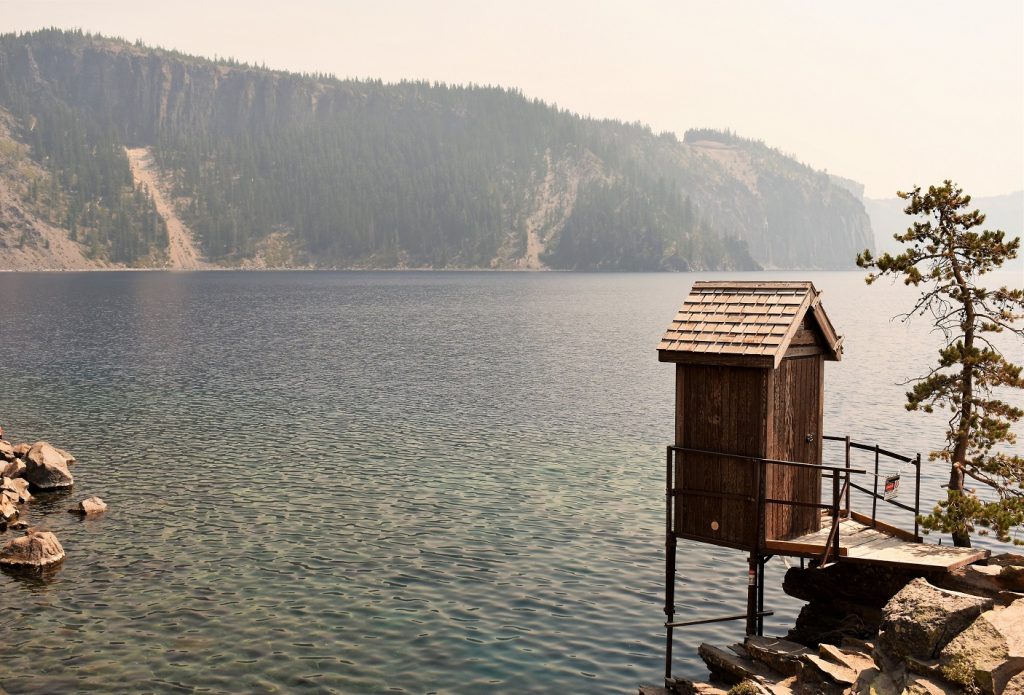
(331, 172)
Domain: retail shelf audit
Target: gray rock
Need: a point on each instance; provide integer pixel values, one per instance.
(988, 653)
(34, 549)
(922, 619)
(6, 450)
(13, 469)
(92, 505)
(46, 469)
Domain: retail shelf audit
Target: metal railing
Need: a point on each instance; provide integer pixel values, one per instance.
(842, 487)
(879, 452)
(755, 592)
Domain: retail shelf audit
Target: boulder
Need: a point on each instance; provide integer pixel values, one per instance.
(34, 549)
(68, 457)
(988, 653)
(18, 525)
(922, 685)
(922, 619)
(13, 469)
(18, 487)
(8, 510)
(1015, 686)
(731, 668)
(6, 451)
(21, 449)
(46, 469)
(1011, 571)
(779, 654)
(92, 505)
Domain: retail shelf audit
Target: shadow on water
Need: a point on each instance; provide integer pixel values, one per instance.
(33, 577)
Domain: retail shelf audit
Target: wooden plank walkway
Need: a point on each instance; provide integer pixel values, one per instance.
(859, 542)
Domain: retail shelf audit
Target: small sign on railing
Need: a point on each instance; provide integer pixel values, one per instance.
(892, 486)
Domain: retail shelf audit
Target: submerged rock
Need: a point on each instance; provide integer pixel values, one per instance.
(92, 505)
(921, 619)
(46, 468)
(34, 549)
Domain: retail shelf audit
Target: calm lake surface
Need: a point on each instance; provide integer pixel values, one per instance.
(383, 482)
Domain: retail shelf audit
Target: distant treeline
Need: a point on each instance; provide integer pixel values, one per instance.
(358, 172)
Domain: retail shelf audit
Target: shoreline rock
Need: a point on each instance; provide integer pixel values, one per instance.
(34, 550)
(927, 639)
(90, 506)
(41, 467)
(46, 468)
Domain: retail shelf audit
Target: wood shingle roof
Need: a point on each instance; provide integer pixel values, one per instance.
(748, 324)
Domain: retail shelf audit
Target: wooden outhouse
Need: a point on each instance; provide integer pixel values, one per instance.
(749, 389)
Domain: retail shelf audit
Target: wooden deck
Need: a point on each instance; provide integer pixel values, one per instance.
(881, 545)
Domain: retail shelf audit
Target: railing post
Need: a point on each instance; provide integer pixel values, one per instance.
(917, 493)
(755, 553)
(874, 496)
(670, 564)
(835, 542)
(847, 474)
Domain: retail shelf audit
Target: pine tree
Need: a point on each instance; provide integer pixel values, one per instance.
(946, 258)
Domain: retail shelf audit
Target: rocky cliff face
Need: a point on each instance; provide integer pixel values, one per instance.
(362, 173)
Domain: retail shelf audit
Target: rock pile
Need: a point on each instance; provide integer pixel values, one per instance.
(40, 468)
(965, 636)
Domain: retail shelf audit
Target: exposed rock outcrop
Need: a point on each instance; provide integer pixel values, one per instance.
(932, 641)
(922, 619)
(988, 653)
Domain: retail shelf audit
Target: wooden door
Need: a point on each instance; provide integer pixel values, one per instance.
(795, 435)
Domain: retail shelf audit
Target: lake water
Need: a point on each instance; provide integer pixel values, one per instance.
(382, 482)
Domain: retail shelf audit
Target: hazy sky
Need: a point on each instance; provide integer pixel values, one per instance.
(888, 93)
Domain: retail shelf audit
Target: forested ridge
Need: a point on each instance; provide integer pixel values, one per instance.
(350, 173)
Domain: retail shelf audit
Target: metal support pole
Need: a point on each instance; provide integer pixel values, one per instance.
(874, 496)
(760, 596)
(847, 474)
(754, 561)
(917, 494)
(752, 590)
(670, 565)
